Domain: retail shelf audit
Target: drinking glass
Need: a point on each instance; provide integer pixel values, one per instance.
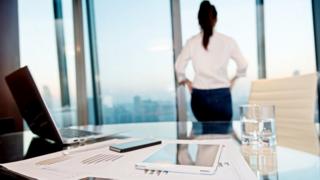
(257, 124)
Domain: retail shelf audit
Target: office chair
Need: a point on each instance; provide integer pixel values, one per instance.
(295, 102)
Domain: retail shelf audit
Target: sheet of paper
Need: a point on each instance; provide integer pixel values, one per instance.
(68, 164)
(97, 160)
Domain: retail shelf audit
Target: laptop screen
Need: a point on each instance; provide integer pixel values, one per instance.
(31, 104)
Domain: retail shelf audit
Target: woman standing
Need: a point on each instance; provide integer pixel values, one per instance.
(210, 52)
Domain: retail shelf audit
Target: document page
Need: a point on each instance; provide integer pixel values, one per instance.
(96, 160)
(68, 164)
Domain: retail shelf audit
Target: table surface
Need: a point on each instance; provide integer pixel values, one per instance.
(283, 161)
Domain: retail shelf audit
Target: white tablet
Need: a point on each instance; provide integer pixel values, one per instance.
(184, 158)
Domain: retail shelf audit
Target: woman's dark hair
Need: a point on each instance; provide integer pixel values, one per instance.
(207, 17)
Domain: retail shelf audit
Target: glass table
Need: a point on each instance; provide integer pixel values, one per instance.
(289, 159)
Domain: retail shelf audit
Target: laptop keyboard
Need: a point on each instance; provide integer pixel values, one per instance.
(72, 133)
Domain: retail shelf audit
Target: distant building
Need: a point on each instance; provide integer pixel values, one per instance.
(140, 110)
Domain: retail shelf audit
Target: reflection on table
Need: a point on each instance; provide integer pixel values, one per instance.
(262, 160)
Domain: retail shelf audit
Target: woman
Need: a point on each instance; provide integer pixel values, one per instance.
(210, 52)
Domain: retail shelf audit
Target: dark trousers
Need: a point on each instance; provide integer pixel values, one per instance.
(211, 104)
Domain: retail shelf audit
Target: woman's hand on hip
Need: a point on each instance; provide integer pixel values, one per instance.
(188, 83)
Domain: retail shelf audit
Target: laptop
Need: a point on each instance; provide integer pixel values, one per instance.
(34, 111)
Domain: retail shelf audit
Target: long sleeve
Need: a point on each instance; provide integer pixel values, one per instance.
(182, 62)
(241, 62)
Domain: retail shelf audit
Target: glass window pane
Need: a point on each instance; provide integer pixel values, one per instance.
(289, 38)
(70, 113)
(38, 50)
(91, 115)
(136, 61)
(236, 19)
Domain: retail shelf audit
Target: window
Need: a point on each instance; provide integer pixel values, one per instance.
(91, 115)
(134, 40)
(38, 50)
(289, 38)
(135, 60)
(70, 113)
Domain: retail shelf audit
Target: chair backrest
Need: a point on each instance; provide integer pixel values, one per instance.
(295, 102)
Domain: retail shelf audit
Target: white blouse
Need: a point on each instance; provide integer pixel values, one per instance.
(210, 65)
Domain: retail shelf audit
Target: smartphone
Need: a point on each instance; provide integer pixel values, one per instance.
(133, 145)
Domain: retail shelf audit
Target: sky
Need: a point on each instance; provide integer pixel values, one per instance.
(134, 41)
